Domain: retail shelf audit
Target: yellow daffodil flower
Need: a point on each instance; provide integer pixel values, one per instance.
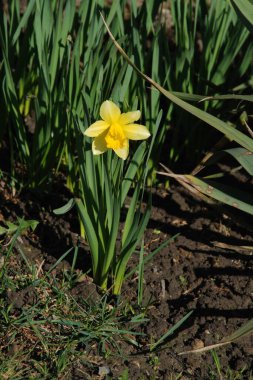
(115, 130)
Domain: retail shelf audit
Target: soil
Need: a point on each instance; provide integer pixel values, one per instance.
(207, 269)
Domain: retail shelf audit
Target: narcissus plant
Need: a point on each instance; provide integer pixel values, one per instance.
(105, 181)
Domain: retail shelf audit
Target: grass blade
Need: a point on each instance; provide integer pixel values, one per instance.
(170, 331)
(243, 331)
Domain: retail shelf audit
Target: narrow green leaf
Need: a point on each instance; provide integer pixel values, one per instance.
(132, 170)
(241, 155)
(247, 98)
(39, 34)
(111, 244)
(152, 254)
(91, 234)
(59, 260)
(141, 274)
(131, 214)
(244, 10)
(223, 193)
(171, 331)
(64, 209)
(244, 330)
(128, 248)
(24, 20)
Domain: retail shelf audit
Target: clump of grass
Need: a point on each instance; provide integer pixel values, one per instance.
(47, 332)
(217, 372)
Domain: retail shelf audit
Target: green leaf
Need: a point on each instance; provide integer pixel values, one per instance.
(241, 155)
(141, 274)
(152, 254)
(244, 330)
(22, 225)
(91, 234)
(24, 20)
(129, 246)
(202, 98)
(171, 331)
(238, 199)
(132, 170)
(244, 10)
(67, 207)
(3, 230)
(111, 244)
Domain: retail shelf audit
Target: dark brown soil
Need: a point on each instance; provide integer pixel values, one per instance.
(205, 269)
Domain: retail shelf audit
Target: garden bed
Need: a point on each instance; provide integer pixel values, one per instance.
(205, 269)
(66, 93)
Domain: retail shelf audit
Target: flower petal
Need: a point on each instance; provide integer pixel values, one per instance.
(99, 145)
(96, 128)
(136, 131)
(129, 117)
(123, 152)
(109, 112)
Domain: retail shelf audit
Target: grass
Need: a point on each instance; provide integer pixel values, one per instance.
(48, 333)
(217, 372)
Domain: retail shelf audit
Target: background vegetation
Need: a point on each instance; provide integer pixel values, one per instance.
(58, 64)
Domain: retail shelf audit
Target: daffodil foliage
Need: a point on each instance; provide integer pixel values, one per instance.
(105, 181)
